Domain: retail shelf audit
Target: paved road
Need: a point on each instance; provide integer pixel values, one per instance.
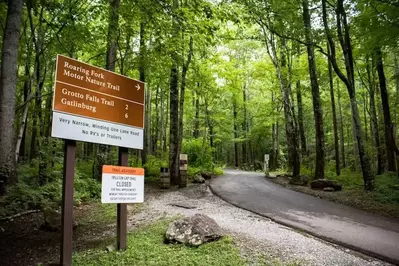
(368, 233)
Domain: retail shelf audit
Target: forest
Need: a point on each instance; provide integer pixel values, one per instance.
(315, 84)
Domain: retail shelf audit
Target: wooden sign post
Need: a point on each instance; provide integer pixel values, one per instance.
(99, 106)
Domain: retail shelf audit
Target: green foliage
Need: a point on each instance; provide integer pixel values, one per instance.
(199, 153)
(153, 166)
(30, 194)
(146, 247)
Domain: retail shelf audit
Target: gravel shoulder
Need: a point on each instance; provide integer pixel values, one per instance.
(254, 235)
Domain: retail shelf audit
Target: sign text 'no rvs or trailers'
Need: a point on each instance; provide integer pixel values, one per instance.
(95, 105)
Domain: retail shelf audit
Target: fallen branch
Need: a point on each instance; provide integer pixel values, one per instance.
(19, 215)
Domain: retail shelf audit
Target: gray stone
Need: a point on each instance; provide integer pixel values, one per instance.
(299, 180)
(52, 220)
(207, 175)
(198, 179)
(194, 230)
(329, 189)
(323, 183)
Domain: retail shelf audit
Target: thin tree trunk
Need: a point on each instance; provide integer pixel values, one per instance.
(341, 128)
(290, 128)
(197, 113)
(113, 25)
(163, 129)
(317, 108)
(300, 118)
(334, 114)
(21, 139)
(166, 123)
(244, 125)
(156, 134)
(36, 35)
(345, 41)
(186, 66)
(365, 115)
(142, 72)
(373, 117)
(235, 133)
(388, 129)
(8, 84)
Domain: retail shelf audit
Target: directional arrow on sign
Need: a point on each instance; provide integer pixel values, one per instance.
(138, 87)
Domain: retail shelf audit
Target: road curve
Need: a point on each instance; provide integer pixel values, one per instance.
(370, 234)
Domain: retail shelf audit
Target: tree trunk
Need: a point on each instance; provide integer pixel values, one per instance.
(163, 128)
(197, 113)
(8, 84)
(164, 148)
(388, 129)
(156, 132)
(334, 114)
(21, 139)
(174, 104)
(341, 128)
(186, 66)
(235, 133)
(244, 125)
(345, 41)
(113, 25)
(37, 39)
(373, 117)
(317, 108)
(290, 128)
(365, 115)
(300, 119)
(147, 116)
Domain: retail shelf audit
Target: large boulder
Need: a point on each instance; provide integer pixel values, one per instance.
(198, 179)
(194, 230)
(299, 180)
(323, 183)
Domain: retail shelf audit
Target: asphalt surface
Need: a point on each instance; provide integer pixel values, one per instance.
(370, 234)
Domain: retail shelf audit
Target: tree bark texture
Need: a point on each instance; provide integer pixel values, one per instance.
(174, 104)
(186, 66)
(334, 115)
(388, 127)
(341, 128)
(301, 127)
(235, 133)
(8, 83)
(197, 114)
(317, 108)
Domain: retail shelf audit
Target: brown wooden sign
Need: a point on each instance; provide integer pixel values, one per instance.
(92, 92)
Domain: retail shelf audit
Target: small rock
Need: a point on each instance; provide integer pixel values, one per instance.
(52, 220)
(110, 248)
(198, 179)
(194, 230)
(207, 175)
(329, 189)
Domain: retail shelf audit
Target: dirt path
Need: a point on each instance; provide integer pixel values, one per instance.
(23, 243)
(255, 235)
